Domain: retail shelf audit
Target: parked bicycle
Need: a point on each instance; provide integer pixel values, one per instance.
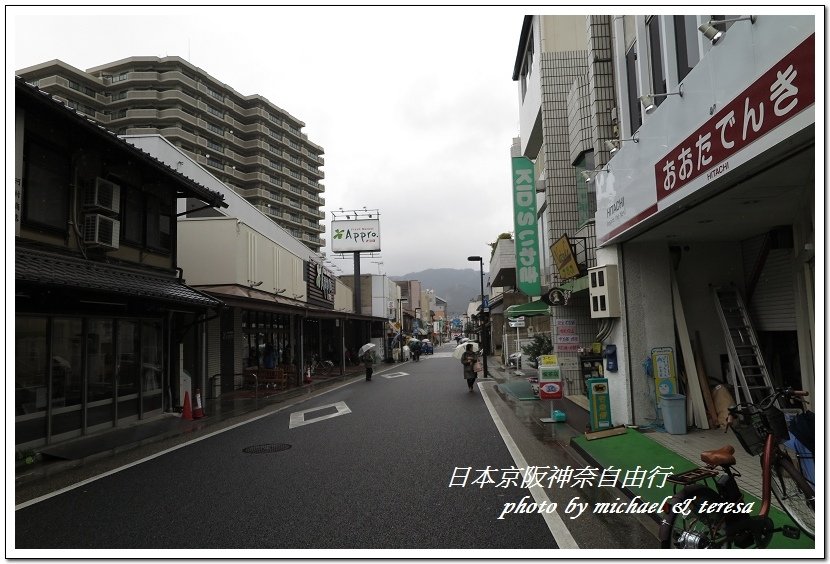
(702, 516)
(320, 367)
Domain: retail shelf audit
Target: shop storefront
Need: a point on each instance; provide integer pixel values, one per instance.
(101, 313)
(726, 199)
(300, 333)
(96, 347)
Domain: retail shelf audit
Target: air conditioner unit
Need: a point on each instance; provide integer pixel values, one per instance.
(101, 231)
(103, 195)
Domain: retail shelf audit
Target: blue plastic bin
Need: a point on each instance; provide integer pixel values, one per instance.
(674, 413)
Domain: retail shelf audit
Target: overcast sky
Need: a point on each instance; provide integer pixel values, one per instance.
(415, 107)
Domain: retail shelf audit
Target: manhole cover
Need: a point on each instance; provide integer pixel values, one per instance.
(266, 449)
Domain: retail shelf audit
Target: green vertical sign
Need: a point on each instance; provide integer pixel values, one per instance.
(599, 403)
(528, 273)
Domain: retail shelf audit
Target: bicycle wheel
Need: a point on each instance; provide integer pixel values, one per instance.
(695, 530)
(795, 495)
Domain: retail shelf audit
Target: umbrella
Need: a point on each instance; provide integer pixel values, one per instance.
(366, 347)
(60, 362)
(460, 349)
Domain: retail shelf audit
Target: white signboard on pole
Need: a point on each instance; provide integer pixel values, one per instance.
(516, 321)
(355, 235)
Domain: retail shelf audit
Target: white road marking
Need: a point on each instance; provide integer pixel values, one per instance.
(298, 418)
(71, 487)
(395, 375)
(557, 527)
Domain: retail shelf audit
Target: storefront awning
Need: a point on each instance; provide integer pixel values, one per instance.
(36, 267)
(529, 309)
(576, 285)
(253, 299)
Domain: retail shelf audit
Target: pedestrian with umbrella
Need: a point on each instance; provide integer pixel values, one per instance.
(415, 349)
(466, 353)
(368, 359)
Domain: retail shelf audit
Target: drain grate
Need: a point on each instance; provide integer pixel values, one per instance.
(266, 449)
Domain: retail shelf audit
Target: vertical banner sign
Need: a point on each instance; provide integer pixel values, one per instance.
(550, 377)
(599, 401)
(528, 273)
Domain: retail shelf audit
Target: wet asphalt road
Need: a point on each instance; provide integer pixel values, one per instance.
(375, 477)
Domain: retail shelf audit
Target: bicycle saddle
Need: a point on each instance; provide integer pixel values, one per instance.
(723, 456)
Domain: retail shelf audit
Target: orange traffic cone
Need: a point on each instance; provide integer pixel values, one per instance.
(198, 412)
(186, 408)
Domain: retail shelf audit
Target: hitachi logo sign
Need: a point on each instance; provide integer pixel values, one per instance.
(615, 207)
(717, 171)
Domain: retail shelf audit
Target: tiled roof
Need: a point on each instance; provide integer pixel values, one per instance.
(50, 269)
(48, 103)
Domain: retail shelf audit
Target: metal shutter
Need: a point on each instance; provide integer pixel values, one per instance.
(213, 348)
(773, 302)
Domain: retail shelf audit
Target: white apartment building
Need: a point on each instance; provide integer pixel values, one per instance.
(247, 142)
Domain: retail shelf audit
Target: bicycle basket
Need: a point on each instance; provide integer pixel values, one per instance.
(748, 435)
(753, 425)
(777, 423)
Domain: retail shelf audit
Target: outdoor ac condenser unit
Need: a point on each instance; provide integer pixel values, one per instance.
(101, 231)
(103, 195)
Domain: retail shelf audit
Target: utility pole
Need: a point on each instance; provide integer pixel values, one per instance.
(484, 316)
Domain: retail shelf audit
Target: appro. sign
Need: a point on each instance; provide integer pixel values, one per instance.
(355, 235)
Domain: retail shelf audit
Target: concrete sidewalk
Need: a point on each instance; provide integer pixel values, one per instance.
(649, 449)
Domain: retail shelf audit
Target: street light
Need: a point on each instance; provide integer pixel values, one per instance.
(400, 321)
(485, 329)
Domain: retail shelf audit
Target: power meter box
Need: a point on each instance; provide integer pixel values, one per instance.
(604, 290)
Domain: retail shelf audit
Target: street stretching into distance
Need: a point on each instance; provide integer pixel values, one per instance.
(367, 465)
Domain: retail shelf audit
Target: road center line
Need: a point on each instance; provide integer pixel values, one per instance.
(557, 527)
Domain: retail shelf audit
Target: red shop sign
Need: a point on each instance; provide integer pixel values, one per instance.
(778, 95)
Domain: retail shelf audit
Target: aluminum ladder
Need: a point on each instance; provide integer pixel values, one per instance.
(750, 378)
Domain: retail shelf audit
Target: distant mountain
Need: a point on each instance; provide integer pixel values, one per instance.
(457, 286)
